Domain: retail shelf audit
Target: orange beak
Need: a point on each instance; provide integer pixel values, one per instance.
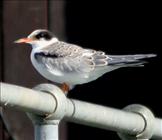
(24, 40)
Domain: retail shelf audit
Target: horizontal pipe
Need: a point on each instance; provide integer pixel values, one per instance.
(42, 103)
(26, 99)
(105, 117)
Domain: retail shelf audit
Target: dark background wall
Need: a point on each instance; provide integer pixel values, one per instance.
(116, 28)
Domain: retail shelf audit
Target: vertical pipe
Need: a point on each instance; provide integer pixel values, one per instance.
(158, 128)
(46, 131)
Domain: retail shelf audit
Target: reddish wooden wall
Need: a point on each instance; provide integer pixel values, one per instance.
(19, 19)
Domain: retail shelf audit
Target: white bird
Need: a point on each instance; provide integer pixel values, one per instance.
(71, 64)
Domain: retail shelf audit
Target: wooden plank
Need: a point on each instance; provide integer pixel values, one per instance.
(1, 130)
(1, 41)
(57, 18)
(1, 66)
(20, 18)
(56, 23)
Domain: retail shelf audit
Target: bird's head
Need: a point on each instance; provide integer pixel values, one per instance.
(38, 38)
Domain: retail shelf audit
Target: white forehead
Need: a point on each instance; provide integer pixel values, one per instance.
(36, 32)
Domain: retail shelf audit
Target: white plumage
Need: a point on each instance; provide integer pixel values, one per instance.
(67, 63)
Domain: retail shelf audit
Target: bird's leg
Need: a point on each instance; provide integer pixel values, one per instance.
(65, 88)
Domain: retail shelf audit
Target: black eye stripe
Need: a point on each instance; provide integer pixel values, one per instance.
(44, 35)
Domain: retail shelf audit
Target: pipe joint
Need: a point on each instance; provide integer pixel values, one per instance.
(148, 118)
(59, 109)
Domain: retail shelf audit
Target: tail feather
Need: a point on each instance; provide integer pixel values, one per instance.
(128, 60)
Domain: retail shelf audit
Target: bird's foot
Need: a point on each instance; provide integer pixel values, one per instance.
(65, 88)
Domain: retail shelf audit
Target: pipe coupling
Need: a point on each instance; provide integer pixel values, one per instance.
(148, 118)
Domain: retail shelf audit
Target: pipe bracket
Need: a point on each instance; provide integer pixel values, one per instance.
(148, 118)
(59, 110)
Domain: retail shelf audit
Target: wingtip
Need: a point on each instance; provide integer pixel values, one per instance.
(151, 55)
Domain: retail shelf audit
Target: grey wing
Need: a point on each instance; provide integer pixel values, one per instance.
(71, 58)
(62, 57)
(93, 60)
(60, 49)
(126, 60)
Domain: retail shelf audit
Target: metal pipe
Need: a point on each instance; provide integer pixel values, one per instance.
(58, 106)
(105, 117)
(158, 128)
(26, 99)
(46, 132)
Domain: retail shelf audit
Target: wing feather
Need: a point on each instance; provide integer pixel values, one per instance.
(71, 58)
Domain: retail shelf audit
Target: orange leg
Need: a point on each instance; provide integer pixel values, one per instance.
(65, 88)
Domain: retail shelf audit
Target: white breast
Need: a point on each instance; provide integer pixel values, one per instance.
(58, 76)
(48, 73)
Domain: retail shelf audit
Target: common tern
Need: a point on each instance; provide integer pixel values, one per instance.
(70, 64)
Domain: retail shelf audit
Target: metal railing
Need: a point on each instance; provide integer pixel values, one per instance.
(49, 105)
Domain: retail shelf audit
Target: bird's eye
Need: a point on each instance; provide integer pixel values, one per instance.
(43, 35)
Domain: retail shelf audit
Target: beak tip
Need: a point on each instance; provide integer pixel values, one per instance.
(16, 41)
(19, 41)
